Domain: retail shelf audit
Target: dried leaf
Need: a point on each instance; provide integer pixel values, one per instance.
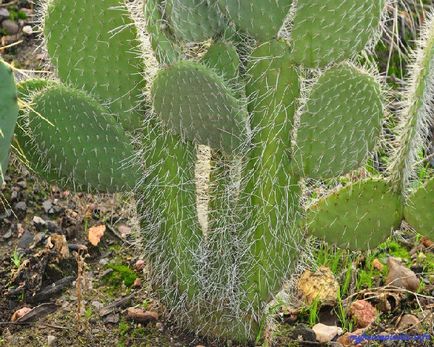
(95, 234)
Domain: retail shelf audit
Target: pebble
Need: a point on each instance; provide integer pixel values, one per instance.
(48, 206)
(112, 318)
(51, 340)
(140, 265)
(409, 322)
(325, 333)
(20, 206)
(39, 223)
(4, 13)
(8, 234)
(26, 240)
(363, 313)
(28, 30)
(400, 276)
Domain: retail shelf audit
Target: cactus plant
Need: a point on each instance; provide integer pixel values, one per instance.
(270, 121)
(8, 114)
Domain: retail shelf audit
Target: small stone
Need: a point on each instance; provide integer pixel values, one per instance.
(140, 265)
(22, 184)
(98, 305)
(103, 261)
(20, 206)
(141, 316)
(400, 276)
(26, 240)
(427, 242)
(8, 234)
(4, 13)
(39, 223)
(409, 322)
(137, 283)
(112, 318)
(124, 230)
(48, 206)
(320, 285)
(303, 332)
(28, 30)
(51, 340)
(377, 265)
(325, 333)
(363, 313)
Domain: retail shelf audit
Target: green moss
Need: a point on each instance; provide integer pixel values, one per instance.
(120, 274)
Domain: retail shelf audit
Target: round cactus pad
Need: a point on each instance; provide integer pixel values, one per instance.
(223, 58)
(8, 114)
(359, 216)
(327, 31)
(94, 46)
(194, 101)
(76, 140)
(341, 123)
(194, 20)
(260, 18)
(419, 210)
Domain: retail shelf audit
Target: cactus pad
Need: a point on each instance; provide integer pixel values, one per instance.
(327, 31)
(260, 18)
(79, 142)
(271, 195)
(8, 114)
(420, 208)
(195, 102)
(341, 123)
(359, 216)
(165, 49)
(194, 20)
(223, 58)
(92, 44)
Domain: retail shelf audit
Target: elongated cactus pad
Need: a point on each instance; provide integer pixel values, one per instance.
(171, 229)
(195, 102)
(270, 195)
(341, 123)
(165, 49)
(8, 114)
(223, 58)
(77, 141)
(93, 46)
(194, 20)
(420, 209)
(359, 216)
(327, 31)
(262, 19)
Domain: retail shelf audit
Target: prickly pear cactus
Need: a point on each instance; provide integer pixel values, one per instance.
(8, 114)
(237, 77)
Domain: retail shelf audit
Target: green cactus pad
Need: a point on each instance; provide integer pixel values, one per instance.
(23, 139)
(420, 209)
(94, 46)
(195, 102)
(341, 123)
(77, 141)
(8, 114)
(262, 19)
(271, 195)
(194, 20)
(223, 58)
(328, 31)
(359, 216)
(165, 49)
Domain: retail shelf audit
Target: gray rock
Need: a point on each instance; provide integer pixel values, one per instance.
(48, 206)
(26, 240)
(10, 27)
(28, 30)
(39, 223)
(51, 340)
(4, 13)
(325, 333)
(20, 206)
(8, 234)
